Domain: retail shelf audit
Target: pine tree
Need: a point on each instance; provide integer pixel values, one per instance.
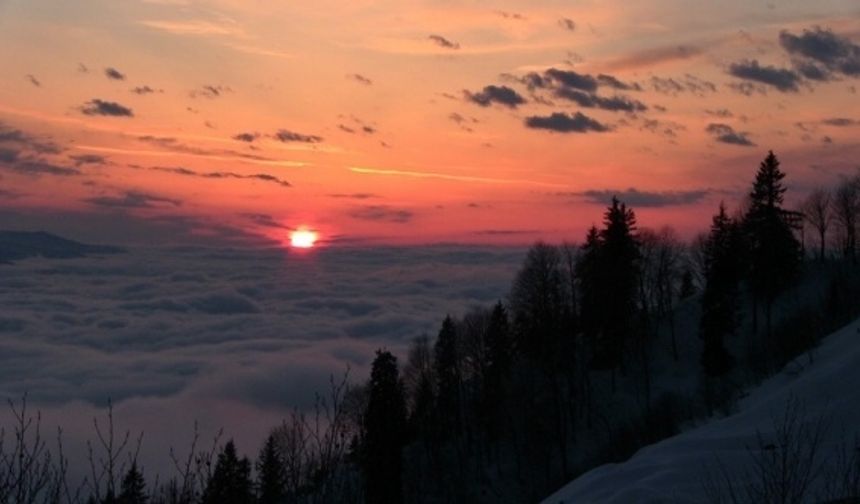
(271, 476)
(385, 427)
(619, 254)
(592, 288)
(447, 370)
(774, 250)
(498, 369)
(133, 488)
(723, 269)
(231, 480)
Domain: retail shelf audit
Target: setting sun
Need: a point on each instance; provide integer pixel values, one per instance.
(303, 238)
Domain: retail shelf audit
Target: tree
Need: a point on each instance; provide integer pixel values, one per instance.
(723, 269)
(498, 369)
(446, 365)
(231, 479)
(619, 256)
(688, 288)
(537, 302)
(385, 427)
(271, 475)
(818, 212)
(133, 487)
(846, 209)
(774, 250)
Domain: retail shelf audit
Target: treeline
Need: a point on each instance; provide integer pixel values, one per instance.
(509, 402)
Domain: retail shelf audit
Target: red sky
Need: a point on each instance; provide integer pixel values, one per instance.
(412, 121)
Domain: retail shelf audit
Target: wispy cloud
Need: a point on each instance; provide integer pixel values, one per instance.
(447, 176)
(441, 41)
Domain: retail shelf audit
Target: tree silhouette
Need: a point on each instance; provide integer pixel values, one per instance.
(385, 426)
(818, 212)
(619, 253)
(774, 251)
(448, 379)
(133, 487)
(498, 369)
(230, 481)
(723, 269)
(271, 475)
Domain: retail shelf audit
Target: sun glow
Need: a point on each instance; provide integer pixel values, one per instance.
(303, 238)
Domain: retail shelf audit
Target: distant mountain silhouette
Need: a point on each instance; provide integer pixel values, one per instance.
(16, 245)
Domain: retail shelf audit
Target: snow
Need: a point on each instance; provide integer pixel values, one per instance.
(675, 469)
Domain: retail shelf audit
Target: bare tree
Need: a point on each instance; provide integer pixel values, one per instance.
(846, 209)
(818, 212)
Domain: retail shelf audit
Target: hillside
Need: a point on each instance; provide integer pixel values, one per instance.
(678, 469)
(17, 245)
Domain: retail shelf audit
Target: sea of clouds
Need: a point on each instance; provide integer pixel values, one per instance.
(227, 338)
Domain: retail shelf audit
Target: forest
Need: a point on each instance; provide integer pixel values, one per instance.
(600, 348)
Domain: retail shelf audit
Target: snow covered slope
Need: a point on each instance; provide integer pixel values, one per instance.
(674, 469)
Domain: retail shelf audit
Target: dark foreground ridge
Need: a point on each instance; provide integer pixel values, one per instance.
(17, 245)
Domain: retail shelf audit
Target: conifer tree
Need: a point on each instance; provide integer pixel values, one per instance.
(774, 250)
(498, 368)
(447, 370)
(133, 487)
(723, 252)
(230, 480)
(385, 428)
(271, 476)
(619, 254)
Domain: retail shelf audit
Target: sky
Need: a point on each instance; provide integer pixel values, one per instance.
(412, 122)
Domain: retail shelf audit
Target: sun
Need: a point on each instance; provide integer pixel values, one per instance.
(303, 238)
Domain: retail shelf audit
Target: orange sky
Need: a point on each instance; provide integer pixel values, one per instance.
(371, 121)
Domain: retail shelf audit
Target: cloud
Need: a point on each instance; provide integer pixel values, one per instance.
(502, 95)
(655, 56)
(361, 79)
(726, 134)
(565, 123)
(26, 141)
(209, 91)
(841, 121)
(105, 108)
(567, 24)
(381, 213)
(613, 82)
(782, 79)
(144, 90)
(287, 136)
(569, 78)
(581, 88)
(246, 137)
(133, 199)
(10, 161)
(85, 159)
(187, 172)
(443, 42)
(685, 84)
(33, 80)
(358, 196)
(174, 145)
(265, 220)
(820, 46)
(614, 103)
(640, 198)
(114, 74)
(722, 113)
